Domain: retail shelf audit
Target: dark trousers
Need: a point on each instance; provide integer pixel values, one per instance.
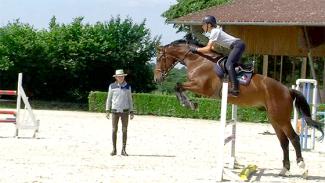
(237, 50)
(125, 120)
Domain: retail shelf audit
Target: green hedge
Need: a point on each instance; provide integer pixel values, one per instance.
(167, 105)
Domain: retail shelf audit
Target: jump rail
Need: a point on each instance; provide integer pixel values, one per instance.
(20, 119)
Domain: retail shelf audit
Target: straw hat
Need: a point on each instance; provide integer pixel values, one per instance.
(119, 72)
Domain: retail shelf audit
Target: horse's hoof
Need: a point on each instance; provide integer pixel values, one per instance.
(196, 105)
(302, 165)
(304, 171)
(305, 174)
(285, 172)
(192, 106)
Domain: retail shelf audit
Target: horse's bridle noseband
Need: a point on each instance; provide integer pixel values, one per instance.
(165, 72)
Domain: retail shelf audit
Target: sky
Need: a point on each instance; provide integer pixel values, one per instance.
(39, 12)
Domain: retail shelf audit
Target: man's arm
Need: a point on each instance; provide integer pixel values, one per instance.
(108, 102)
(109, 99)
(131, 104)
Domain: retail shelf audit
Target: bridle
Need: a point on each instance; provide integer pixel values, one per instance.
(165, 55)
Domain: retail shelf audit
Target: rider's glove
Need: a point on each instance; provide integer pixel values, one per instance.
(193, 49)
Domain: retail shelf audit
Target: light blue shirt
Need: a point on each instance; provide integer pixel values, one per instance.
(119, 97)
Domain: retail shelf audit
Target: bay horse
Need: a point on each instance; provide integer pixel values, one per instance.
(262, 91)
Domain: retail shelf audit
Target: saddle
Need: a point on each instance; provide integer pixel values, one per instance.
(244, 72)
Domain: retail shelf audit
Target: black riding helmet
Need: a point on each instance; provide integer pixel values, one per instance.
(210, 20)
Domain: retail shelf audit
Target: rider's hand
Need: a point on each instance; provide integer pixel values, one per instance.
(131, 115)
(107, 114)
(193, 49)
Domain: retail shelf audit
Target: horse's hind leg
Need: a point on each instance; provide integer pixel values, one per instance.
(285, 134)
(285, 148)
(294, 139)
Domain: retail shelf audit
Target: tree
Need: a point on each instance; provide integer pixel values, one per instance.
(67, 61)
(184, 7)
(174, 76)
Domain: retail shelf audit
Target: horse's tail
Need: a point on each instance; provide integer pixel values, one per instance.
(303, 107)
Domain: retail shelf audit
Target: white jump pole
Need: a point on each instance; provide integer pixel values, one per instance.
(222, 131)
(20, 81)
(304, 132)
(223, 141)
(233, 133)
(20, 124)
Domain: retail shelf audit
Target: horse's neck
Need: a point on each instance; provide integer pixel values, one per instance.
(210, 57)
(196, 60)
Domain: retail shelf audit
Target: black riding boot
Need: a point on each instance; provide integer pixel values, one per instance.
(234, 90)
(123, 153)
(113, 153)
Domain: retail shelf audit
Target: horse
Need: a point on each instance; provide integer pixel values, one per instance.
(262, 91)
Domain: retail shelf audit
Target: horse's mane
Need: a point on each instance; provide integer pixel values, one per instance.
(188, 39)
(191, 40)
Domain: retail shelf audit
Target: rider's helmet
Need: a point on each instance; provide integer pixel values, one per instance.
(209, 19)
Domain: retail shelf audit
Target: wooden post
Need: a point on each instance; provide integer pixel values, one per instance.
(281, 67)
(323, 91)
(311, 65)
(310, 58)
(293, 80)
(265, 64)
(303, 68)
(274, 67)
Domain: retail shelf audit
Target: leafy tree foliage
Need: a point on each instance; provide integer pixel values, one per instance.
(184, 7)
(175, 76)
(67, 61)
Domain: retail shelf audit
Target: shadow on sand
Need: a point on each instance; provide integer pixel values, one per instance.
(261, 173)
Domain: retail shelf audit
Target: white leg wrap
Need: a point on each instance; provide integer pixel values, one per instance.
(303, 169)
(285, 172)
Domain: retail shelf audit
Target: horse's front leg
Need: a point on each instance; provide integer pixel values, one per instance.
(182, 98)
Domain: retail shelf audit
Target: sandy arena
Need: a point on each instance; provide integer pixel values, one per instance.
(74, 147)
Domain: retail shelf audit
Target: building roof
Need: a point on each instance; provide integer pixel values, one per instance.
(262, 12)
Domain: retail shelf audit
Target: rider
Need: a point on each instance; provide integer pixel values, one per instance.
(217, 35)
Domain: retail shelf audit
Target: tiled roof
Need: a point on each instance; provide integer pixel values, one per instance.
(263, 12)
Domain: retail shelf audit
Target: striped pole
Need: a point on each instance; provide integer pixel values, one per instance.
(8, 92)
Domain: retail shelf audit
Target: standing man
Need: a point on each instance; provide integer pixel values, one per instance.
(119, 103)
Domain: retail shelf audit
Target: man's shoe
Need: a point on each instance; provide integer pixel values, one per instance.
(123, 153)
(113, 153)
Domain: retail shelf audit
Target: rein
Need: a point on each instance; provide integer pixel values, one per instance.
(165, 55)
